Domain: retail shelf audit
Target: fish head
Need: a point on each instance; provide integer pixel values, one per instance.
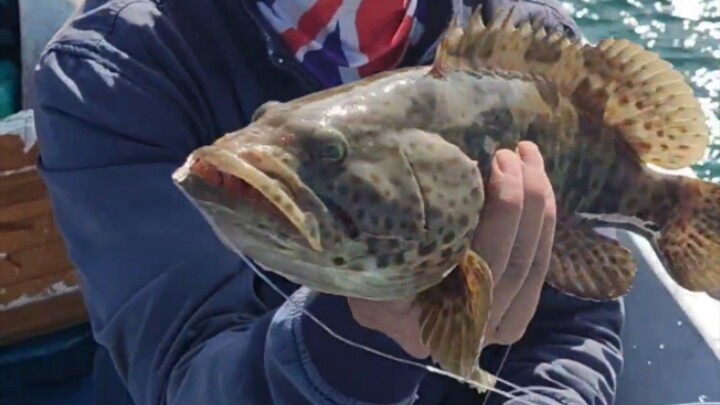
(325, 194)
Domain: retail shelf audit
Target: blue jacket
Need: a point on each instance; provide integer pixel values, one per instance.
(125, 92)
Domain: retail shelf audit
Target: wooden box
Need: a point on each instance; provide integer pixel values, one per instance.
(39, 290)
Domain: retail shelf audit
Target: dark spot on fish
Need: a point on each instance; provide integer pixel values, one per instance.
(448, 237)
(446, 253)
(498, 124)
(550, 165)
(383, 261)
(339, 261)
(388, 223)
(373, 245)
(399, 258)
(463, 219)
(343, 217)
(549, 93)
(427, 248)
(543, 53)
(420, 105)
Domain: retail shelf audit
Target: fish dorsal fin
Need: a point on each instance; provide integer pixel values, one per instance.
(634, 91)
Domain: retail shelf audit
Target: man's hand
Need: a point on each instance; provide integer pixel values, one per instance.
(514, 237)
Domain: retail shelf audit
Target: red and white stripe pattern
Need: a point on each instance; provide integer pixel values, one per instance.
(344, 40)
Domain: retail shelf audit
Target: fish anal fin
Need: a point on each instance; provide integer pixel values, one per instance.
(454, 315)
(588, 265)
(631, 89)
(689, 240)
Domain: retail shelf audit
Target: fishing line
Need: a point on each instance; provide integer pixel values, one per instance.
(429, 368)
(499, 370)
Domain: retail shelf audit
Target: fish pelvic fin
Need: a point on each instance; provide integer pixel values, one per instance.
(689, 240)
(454, 316)
(588, 265)
(631, 89)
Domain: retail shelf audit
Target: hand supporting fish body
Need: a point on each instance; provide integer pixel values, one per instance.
(374, 189)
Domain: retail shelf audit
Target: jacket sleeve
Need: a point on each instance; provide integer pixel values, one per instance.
(571, 352)
(184, 321)
(550, 12)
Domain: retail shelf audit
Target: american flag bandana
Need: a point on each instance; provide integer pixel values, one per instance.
(340, 41)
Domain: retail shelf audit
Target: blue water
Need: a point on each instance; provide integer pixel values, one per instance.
(686, 33)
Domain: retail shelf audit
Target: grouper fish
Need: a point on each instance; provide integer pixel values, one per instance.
(373, 189)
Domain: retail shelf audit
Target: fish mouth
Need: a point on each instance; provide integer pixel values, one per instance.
(233, 173)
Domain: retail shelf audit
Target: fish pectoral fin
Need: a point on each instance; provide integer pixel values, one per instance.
(454, 315)
(588, 265)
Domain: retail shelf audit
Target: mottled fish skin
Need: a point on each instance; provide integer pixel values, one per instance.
(413, 198)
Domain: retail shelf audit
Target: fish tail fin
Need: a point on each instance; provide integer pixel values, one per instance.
(454, 315)
(689, 240)
(632, 90)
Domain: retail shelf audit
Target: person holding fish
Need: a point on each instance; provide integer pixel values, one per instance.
(401, 244)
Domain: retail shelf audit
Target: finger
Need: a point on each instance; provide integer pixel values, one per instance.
(515, 320)
(500, 216)
(536, 187)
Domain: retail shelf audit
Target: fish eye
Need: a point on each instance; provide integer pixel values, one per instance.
(322, 143)
(332, 152)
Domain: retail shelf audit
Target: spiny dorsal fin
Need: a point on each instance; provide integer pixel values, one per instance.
(632, 89)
